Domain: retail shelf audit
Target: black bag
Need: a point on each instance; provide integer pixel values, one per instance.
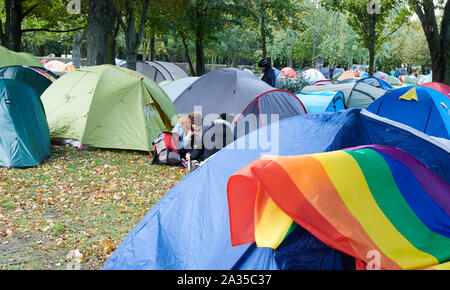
(165, 150)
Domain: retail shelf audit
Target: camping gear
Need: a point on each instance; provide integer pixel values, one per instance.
(322, 102)
(159, 71)
(24, 132)
(440, 87)
(189, 227)
(165, 150)
(312, 76)
(11, 58)
(288, 73)
(422, 108)
(108, 107)
(174, 88)
(357, 200)
(357, 94)
(36, 78)
(233, 91)
(59, 67)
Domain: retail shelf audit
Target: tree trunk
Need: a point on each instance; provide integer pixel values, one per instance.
(152, 46)
(186, 53)
(199, 53)
(76, 48)
(100, 33)
(263, 37)
(372, 24)
(13, 24)
(438, 44)
(291, 50)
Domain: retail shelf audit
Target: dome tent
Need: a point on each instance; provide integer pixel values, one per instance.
(24, 132)
(234, 91)
(108, 107)
(36, 79)
(159, 71)
(189, 228)
(440, 87)
(422, 108)
(10, 58)
(174, 88)
(376, 82)
(288, 73)
(357, 94)
(312, 76)
(322, 102)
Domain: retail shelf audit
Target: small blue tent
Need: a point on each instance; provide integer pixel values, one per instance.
(24, 132)
(277, 72)
(322, 102)
(376, 82)
(189, 227)
(422, 108)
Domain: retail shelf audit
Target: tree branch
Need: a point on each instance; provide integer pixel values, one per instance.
(54, 31)
(28, 12)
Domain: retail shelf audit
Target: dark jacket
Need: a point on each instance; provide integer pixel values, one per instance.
(269, 77)
(214, 138)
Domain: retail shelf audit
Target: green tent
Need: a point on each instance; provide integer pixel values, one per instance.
(24, 132)
(8, 58)
(33, 77)
(108, 107)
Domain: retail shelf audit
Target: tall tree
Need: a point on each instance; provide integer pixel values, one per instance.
(438, 39)
(101, 20)
(133, 35)
(373, 21)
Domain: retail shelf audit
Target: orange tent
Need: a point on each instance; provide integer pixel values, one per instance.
(288, 73)
(346, 75)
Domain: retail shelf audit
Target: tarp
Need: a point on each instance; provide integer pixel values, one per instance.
(9, 58)
(357, 94)
(24, 132)
(234, 91)
(189, 227)
(422, 108)
(322, 102)
(36, 79)
(312, 76)
(108, 107)
(174, 88)
(159, 71)
(359, 200)
(440, 87)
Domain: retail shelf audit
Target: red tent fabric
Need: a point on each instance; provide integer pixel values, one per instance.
(440, 87)
(288, 73)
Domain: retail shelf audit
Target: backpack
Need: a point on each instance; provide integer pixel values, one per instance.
(165, 150)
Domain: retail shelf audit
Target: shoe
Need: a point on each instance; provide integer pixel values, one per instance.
(184, 163)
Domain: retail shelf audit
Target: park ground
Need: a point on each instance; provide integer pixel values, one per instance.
(76, 201)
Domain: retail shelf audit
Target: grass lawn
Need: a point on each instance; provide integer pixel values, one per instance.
(86, 201)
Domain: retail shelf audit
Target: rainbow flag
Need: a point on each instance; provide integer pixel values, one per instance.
(364, 200)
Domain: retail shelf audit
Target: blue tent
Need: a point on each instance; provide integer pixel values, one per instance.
(24, 132)
(189, 227)
(376, 82)
(277, 72)
(422, 108)
(322, 102)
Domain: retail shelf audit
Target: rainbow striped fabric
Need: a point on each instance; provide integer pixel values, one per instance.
(358, 200)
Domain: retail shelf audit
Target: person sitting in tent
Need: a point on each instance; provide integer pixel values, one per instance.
(214, 138)
(267, 71)
(187, 134)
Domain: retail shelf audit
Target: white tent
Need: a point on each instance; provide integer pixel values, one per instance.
(312, 76)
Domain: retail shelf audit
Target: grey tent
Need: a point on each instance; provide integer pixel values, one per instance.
(357, 94)
(159, 71)
(234, 91)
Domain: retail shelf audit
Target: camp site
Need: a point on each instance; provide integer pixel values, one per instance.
(224, 135)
